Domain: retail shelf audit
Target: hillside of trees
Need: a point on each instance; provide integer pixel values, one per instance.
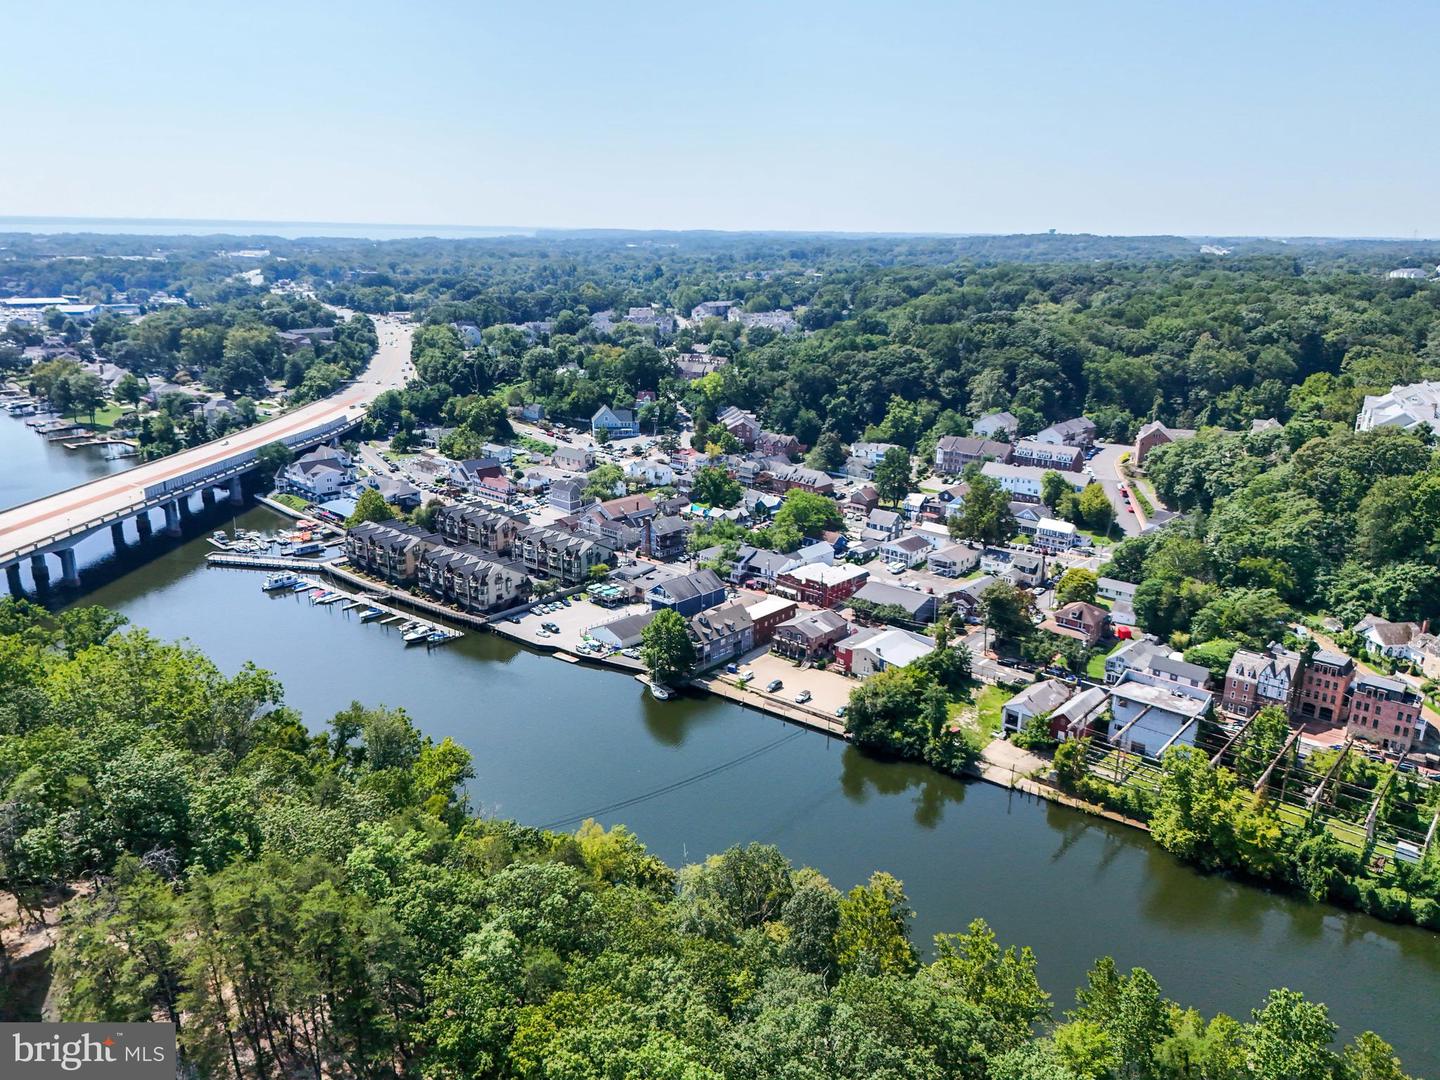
(324, 903)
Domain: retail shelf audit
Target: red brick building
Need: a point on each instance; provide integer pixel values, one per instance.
(1324, 684)
(1384, 711)
(767, 614)
(821, 585)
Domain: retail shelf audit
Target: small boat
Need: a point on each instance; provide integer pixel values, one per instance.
(332, 598)
(370, 613)
(437, 637)
(321, 596)
(312, 548)
(301, 585)
(280, 580)
(660, 693)
(415, 636)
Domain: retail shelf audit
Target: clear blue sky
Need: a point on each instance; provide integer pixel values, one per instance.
(1230, 118)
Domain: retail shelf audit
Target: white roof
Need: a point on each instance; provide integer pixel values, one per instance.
(1055, 525)
(899, 647)
(768, 606)
(825, 574)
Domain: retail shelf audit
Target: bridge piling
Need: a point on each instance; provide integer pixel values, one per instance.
(69, 570)
(207, 496)
(143, 526)
(237, 492)
(117, 534)
(12, 576)
(40, 571)
(172, 518)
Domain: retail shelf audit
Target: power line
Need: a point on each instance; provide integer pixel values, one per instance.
(675, 785)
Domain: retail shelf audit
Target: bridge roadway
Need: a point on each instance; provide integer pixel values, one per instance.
(56, 523)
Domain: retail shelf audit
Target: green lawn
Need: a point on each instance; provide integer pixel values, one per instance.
(538, 446)
(981, 709)
(1095, 666)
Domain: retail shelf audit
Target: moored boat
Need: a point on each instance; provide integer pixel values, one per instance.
(281, 579)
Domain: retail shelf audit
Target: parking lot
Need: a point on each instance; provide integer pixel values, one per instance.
(829, 689)
(572, 622)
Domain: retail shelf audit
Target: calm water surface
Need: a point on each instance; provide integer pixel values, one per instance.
(554, 742)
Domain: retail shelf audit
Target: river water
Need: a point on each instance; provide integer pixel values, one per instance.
(554, 742)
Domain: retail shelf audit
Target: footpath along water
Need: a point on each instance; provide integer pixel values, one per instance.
(555, 742)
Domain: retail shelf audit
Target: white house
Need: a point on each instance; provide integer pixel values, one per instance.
(654, 473)
(997, 425)
(1053, 535)
(619, 423)
(1037, 699)
(1114, 589)
(1150, 716)
(870, 452)
(908, 549)
(1027, 481)
(573, 458)
(954, 561)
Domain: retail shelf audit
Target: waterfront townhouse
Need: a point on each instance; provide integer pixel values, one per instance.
(1150, 717)
(820, 584)
(1255, 680)
(489, 530)
(560, 554)
(1323, 688)
(391, 552)
(811, 636)
(1385, 712)
(1079, 431)
(1047, 455)
(721, 635)
(470, 582)
(954, 452)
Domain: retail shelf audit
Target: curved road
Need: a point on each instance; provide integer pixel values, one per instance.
(35, 522)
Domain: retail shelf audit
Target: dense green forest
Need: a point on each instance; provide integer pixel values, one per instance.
(324, 903)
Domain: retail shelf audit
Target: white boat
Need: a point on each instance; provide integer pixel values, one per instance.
(436, 637)
(660, 693)
(418, 635)
(280, 580)
(370, 613)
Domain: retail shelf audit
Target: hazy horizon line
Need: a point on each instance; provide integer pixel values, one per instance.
(533, 231)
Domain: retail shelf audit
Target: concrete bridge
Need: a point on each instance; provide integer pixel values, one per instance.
(55, 524)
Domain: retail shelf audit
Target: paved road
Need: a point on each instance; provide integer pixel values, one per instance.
(35, 522)
(1106, 467)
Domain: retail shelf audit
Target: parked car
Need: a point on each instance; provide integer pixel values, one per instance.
(732, 669)
(802, 697)
(775, 685)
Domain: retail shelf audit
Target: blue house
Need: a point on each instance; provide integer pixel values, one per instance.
(689, 595)
(620, 423)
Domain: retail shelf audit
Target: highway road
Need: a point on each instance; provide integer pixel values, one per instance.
(35, 522)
